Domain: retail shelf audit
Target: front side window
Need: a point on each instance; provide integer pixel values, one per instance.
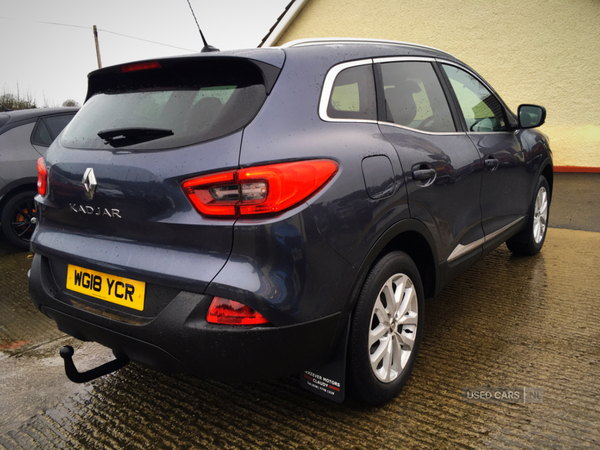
(353, 95)
(482, 111)
(414, 97)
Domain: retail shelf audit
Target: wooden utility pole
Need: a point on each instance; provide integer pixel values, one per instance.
(97, 47)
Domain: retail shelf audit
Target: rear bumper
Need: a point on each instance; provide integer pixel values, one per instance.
(178, 338)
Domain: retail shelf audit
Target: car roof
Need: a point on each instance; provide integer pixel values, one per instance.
(341, 49)
(23, 114)
(28, 114)
(335, 49)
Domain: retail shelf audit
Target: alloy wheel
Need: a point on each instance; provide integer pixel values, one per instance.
(540, 215)
(23, 219)
(393, 327)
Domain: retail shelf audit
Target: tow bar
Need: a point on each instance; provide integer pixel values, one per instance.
(67, 353)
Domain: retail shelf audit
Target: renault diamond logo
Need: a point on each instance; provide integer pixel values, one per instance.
(89, 183)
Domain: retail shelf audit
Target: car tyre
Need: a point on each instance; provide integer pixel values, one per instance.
(18, 219)
(386, 329)
(531, 240)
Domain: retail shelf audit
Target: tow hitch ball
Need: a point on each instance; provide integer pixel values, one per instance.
(67, 352)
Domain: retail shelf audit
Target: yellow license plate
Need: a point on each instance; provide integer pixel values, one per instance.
(119, 290)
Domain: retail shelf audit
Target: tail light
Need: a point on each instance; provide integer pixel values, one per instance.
(258, 190)
(42, 183)
(229, 312)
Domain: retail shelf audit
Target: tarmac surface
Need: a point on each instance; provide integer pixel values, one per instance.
(508, 322)
(576, 202)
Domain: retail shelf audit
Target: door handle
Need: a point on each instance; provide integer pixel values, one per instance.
(423, 174)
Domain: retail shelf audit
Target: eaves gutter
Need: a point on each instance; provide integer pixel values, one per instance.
(283, 22)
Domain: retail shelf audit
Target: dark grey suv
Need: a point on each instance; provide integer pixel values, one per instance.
(243, 215)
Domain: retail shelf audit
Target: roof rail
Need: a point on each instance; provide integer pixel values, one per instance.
(325, 41)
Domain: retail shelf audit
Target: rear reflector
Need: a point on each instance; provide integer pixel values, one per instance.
(42, 183)
(140, 66)
(229, 312)
(258, 190)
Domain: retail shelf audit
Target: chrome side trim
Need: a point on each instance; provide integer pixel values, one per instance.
(461, 250)
(328, 88)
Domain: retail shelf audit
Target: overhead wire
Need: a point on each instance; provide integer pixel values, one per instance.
(100, 29)
(147, 40)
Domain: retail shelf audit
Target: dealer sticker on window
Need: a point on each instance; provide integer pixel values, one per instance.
(119, 290)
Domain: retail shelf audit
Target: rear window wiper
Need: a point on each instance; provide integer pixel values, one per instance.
(121, 137)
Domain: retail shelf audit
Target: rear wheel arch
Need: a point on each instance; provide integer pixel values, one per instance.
(18, 219)
(12, 189)
(416, 246)
(411, 237)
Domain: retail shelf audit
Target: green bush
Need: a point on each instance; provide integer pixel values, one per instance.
(12, 101)
(70, 102)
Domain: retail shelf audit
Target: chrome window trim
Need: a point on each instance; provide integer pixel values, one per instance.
(328, 88)
(431, 133)
(461, 250)
(488, 132)
(335, 70)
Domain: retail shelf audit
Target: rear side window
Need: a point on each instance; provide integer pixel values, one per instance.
(353, 95)
(414, 97)
(48, 128)
(180, 103)
(41, 134)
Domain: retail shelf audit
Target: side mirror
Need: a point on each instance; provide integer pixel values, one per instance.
(531, 116)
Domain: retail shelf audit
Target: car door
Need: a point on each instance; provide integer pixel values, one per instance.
(505, 188)
(441, 166)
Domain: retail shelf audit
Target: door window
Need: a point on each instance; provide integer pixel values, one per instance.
(482, 111)
(414, 97)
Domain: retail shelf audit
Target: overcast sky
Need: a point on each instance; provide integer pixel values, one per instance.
(50, 62)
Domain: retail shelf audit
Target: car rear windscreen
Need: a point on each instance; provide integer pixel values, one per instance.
(173, 103)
